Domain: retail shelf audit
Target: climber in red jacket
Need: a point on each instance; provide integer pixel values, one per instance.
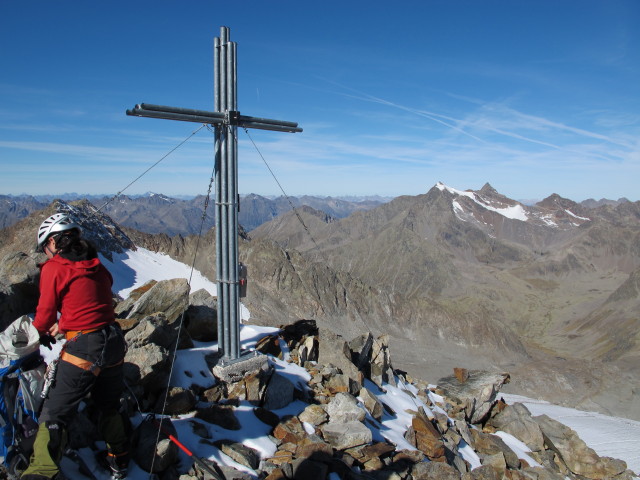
(75, 284)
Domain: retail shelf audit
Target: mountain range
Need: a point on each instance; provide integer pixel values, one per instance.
(158, 213)
(549, 292)
(560, 277)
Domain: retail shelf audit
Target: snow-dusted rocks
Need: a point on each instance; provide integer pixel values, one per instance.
(574, 453)
(516, 420)
(476, 394)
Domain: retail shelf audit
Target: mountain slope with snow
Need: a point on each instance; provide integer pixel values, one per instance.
(609, 436)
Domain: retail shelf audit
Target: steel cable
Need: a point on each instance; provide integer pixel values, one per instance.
(152, 166)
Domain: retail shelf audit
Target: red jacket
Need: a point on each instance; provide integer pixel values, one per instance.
(80, 291)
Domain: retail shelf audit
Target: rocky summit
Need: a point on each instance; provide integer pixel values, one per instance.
(345, 396)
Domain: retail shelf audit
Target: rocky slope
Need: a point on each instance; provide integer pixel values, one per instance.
(548, 273)
(310, 405)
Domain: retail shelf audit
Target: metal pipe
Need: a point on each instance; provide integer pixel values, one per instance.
(225, 85)
(180, 110)
(267, 121)
(221, 183)
(224, 277)
(232, 246)
(218, 200)
(218, 197)
(224, 34)
(232, 215)
(229, 76)
(262, 126)
(216, 74)
(173, 116)
(223, 76)
(234, 75)
(202, 116)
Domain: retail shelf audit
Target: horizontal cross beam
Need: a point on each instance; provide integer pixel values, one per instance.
(213, 118)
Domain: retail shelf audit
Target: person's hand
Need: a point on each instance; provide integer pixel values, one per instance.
(53, 331)
(47, 340)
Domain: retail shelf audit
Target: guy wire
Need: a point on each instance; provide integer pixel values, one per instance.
(313, 240)
(180, 324)
(282, 189)
(147, 170)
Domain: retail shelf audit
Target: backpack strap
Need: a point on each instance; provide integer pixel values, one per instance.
(10, 389)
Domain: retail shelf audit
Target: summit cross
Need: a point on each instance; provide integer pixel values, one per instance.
(225, 119)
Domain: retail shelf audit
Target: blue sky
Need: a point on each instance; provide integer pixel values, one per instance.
(534, 97)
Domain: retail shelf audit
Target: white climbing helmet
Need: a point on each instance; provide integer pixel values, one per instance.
(56, 223)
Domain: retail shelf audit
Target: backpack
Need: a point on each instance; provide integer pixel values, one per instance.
(22, 374)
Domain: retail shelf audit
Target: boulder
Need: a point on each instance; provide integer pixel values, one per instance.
(289, 431)
(371, 403)
(490, 445)
(575, 454)
(168, 296)
(222, 415)
(148, 367)
(307, 469)
(240, 453)
(380, 363)
(123, 308)
(201, 317)
(308, 350)
(314, 415)
(434, 471)
(361, 352)
(426, 438)
(152, 329)
(344, 408)
(176, 401)
(18, 287)
(150, 455)
(483, 472)
(314, 447)
(516, 420)
(334, 350)
(346, 435)
(279, 392)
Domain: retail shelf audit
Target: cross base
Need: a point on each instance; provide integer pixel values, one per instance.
(233, 370)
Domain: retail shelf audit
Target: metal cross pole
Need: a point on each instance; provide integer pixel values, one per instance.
(226, 120)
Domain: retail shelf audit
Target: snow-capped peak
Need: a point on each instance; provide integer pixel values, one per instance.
(514, 210)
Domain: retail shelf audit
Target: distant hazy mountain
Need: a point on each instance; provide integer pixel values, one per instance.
(158, 213)
(591, 203)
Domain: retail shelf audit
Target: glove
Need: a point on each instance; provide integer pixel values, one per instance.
(47, 340)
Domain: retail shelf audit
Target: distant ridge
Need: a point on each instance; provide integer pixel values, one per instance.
(158, 213)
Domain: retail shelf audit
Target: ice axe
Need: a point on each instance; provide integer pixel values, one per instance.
(198, 461)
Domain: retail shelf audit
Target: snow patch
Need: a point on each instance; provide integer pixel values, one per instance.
(576, 216)
(132, 269)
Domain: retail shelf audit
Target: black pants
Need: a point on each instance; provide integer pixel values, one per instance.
(105, 349)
